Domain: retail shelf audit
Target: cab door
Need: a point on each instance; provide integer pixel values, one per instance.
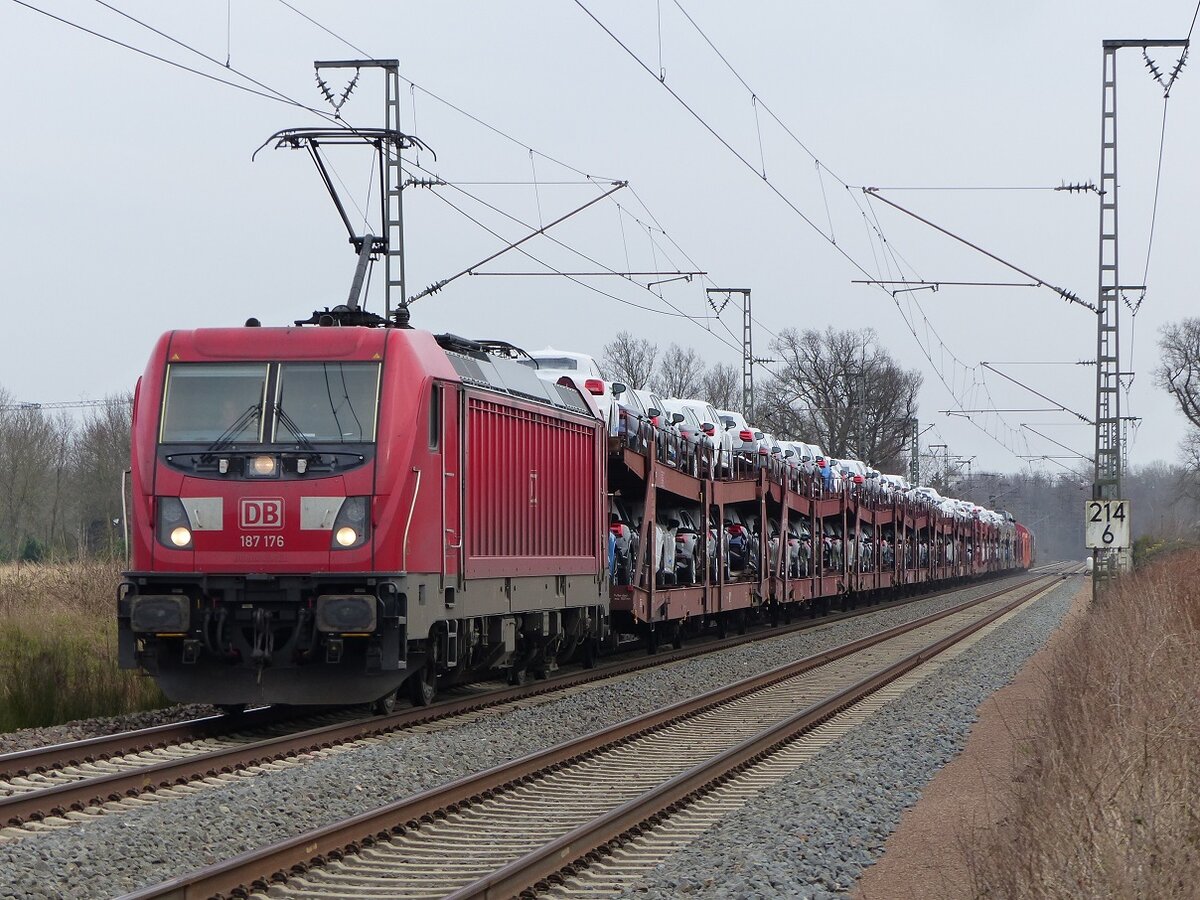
(450, 448)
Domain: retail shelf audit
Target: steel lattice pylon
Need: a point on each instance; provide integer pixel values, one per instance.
(1109, 431)
(1108, 365)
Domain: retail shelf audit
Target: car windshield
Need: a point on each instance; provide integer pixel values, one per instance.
(206, 402)
(327, 401)
(557, 362)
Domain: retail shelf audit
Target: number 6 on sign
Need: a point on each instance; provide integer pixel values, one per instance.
(1106, 524)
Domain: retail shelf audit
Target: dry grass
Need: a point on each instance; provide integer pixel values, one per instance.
(58, 646)
(1108, 808)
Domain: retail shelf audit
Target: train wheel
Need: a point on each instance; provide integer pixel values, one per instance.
(722, 626)
(591, 650)
(741, 621)
(385, 705)
(232, 709)
(422, 687)
(517, 676)
(677, 639)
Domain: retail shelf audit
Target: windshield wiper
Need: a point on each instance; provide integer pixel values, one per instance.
(290, 424)
(227, 436)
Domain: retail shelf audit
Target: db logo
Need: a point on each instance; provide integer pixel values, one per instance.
(261, 513)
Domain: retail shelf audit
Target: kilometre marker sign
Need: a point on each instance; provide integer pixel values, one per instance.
(1106, 524)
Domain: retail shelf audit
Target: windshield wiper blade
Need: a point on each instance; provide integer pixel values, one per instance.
(252, 412)
(290, 424)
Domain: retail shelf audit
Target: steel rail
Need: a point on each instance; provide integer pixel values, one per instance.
(255, 869)
(105, 746)
(532, 870)
(77, 795)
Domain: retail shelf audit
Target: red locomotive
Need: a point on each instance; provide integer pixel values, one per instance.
(321, 513)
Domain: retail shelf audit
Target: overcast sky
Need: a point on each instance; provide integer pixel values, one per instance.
(130, 204)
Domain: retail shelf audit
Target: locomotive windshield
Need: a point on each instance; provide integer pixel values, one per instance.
(206, 402)
(327, 401)
(227, 403)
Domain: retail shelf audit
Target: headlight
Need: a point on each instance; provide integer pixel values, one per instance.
(174, 527)
(351, 527)
(262, 466)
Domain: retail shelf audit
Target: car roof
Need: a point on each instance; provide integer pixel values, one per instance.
(569, 354)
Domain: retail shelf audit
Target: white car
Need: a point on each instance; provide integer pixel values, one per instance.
(768, 447)
(853, 471)
(719, 438)
(925, 495)
(661, 418)
(552, 364)
(792, 453)
(740, 431)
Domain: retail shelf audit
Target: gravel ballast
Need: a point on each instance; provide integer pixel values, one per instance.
(115, 854)
(812, 835)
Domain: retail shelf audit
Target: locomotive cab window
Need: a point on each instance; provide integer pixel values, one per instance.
(206, 402)
(435, 417)
(327, 402)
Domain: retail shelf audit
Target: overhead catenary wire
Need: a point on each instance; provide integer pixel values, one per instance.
(675, 311)
(515, 244)
(570, 278)
(739, 156)
(821, 167)
(413, 86)
(450, 105)
(1069, 296)
(268, 94)
(279, 96)
(1136, 306)
(516, 220)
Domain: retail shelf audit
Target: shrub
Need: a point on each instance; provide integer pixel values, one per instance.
(1105, 808)
(32, 550)
(58, 655)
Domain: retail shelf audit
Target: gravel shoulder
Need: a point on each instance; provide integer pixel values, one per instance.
(813, 834)
(112, 855)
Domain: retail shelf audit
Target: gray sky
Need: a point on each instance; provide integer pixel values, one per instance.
(131, 206)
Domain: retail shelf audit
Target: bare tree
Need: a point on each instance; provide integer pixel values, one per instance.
(101, 454)
(843, 390)
(30, 445)
(722, 386)
(680, 372)
(630, 360)
(1178, 373)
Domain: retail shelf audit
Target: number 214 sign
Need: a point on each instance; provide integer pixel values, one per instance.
(1106, 524)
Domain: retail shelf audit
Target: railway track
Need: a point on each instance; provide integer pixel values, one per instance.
(520, 825)
(56, 786)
